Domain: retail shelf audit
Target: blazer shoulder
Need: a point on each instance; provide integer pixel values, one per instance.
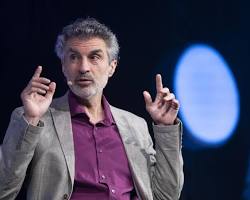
(129, 116)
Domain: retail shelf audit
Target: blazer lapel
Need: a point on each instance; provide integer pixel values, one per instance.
(136, 157)
(62, 121)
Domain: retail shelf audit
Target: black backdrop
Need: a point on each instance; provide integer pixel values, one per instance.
(149, 33)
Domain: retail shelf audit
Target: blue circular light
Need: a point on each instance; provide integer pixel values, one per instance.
(207, 91)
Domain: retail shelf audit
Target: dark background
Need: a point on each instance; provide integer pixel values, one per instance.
(152, 36)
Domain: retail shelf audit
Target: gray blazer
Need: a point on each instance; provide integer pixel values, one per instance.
(49, 151)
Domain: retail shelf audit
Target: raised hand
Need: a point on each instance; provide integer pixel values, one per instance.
(164, 109)
(37, 97)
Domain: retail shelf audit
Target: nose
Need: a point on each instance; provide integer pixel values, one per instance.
(84, 66)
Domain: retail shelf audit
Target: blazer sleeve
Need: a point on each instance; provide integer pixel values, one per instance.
(17, 151)
(167, 176)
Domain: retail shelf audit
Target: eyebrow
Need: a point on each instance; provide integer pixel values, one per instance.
(72, 50)
(96, 51)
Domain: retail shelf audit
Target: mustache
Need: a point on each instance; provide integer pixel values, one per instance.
(84, 76)
(81, 76)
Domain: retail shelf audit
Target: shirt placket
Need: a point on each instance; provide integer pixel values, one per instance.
(101, 172)
(102, 169)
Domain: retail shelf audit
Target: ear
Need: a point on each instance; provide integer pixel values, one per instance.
(113, 65)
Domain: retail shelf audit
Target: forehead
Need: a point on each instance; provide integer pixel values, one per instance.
(85, 45)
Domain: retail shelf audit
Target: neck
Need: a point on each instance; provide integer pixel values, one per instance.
(93, 108)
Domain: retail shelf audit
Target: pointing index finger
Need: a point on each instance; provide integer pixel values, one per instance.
(38, 72)
(159, 85)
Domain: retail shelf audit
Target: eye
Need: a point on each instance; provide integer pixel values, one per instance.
(73, 57)
(95, 57)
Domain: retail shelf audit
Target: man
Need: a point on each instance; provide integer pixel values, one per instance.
(80, 147)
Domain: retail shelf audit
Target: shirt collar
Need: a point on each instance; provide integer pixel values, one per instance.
(76, 109)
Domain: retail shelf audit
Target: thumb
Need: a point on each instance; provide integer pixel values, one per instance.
(147, 98)
(51, 91)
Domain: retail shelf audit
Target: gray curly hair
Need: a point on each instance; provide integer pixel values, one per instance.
(86, 29)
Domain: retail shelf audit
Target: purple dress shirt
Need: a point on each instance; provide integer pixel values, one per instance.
(101, 165)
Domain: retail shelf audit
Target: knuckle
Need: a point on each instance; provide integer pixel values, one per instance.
(165, 90)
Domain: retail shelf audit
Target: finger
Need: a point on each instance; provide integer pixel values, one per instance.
(43, 80)
(40, 80)
(169, 97)
(147, 98)
(164, 92)
(175, 105)
(40, 85)
(51, 91)
(36, 90)
(37, 72)
(159, 85)
(30, 90)
(171, 108)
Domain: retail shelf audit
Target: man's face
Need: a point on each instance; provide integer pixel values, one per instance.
(86, 64)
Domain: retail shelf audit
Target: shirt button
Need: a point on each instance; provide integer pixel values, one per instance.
(65, 196)
(113, 191)
(100, 151)
(103, 177)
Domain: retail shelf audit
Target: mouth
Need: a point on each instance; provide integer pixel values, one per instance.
(84, 82)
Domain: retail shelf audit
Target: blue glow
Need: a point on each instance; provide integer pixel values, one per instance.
(208, 95)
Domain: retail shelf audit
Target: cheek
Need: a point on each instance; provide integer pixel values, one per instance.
(105, 74)
(68, 71)
(105, 78)
(65, 72)
(101, 77)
